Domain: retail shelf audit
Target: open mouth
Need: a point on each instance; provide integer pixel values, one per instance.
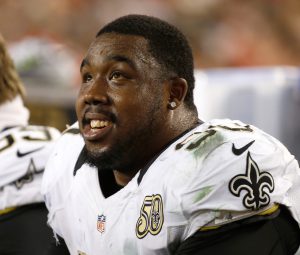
(95, 128)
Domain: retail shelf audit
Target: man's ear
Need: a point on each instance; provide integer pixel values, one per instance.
(178, 90)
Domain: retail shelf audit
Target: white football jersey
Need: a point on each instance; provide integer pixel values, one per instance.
(23, 154)
(219, 172)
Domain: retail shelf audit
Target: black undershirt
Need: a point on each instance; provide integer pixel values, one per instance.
(108, 183)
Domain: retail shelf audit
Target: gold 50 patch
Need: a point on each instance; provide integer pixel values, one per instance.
(151, 216)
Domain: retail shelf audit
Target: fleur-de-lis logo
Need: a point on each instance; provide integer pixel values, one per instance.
(258, 185)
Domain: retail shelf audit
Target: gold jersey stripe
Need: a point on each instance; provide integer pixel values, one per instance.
(268, 211)
(7, 210)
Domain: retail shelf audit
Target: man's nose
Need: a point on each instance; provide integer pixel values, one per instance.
(97, 92)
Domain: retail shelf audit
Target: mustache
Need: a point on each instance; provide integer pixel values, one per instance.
(110, 115)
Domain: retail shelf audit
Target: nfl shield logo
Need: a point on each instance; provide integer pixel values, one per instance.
(101, 223)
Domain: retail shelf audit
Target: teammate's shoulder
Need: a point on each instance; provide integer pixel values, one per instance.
(47, 130)
(53, 131)
(32, 133)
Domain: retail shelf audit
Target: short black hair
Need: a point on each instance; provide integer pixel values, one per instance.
(167, 45)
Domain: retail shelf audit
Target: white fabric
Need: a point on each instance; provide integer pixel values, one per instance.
(190, 185)
(13, 113)
(24, 151)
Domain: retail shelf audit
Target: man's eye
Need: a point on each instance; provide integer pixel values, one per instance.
(87, 78)
(116, 75)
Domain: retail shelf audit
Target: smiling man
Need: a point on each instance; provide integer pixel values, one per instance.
(121, 107)
(141, 174)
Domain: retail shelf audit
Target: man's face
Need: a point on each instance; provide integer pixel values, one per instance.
(121, 106)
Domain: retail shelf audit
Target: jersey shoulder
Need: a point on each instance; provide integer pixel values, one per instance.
(24, 145)
(230, 137)
(59, 170)
(225, 170)
(213, 160)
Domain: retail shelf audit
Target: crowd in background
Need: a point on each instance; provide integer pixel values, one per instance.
(222, 32)
(47, 39)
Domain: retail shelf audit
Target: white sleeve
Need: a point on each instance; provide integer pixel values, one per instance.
(228, 187)
(22, 145)
(23, 154)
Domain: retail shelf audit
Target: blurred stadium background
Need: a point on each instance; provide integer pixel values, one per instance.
(247, 55)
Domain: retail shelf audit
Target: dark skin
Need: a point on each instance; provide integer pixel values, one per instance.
(123, 106)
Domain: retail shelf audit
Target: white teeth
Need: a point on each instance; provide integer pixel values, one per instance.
(99, 123)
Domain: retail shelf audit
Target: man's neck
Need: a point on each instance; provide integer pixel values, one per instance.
(124, 177)
(121, 178)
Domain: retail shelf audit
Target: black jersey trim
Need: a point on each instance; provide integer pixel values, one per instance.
(80, 161)
(8, 127)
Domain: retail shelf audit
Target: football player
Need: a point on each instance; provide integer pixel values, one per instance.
(141, 174)
(24, 150)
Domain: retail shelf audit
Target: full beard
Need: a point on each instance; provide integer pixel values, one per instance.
(126, 153)
(120, 157)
